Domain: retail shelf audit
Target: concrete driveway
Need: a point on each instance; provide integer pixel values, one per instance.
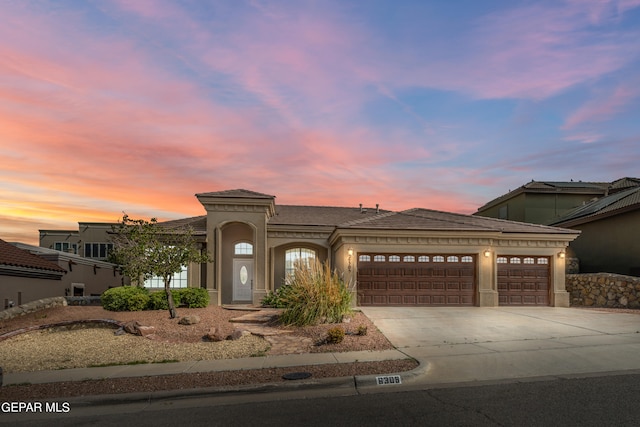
(476, 344)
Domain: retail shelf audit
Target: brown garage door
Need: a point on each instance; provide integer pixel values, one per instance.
(523, 280)
(416, 279)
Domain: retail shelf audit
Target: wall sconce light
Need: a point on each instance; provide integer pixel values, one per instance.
(350, 253)
(562, 254)
(487, 253)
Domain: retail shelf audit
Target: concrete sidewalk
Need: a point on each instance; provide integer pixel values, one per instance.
(153, 369)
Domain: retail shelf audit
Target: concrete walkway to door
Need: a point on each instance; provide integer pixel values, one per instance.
(457, 345)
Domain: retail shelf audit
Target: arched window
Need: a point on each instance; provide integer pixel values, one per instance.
(394, 258)
(409, 258)
(438, 258)
(302, 257)
(364, 258)
(452, 258)
(243, 248)
(467, 259)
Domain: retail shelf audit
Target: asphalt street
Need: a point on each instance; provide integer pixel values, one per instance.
(587, 401)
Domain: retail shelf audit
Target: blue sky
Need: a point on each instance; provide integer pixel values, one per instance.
(134, 106)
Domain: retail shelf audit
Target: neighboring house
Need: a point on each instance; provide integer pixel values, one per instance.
(26, 277)
(91, 240)
(413, 257)
(542, 202)
(606, 214)
(29, 273)
(610, 231)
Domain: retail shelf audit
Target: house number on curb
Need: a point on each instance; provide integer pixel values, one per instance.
(389, 379)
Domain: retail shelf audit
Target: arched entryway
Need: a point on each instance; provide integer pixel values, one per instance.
(237, 267)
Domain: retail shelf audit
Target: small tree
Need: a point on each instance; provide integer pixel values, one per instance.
(146, 248)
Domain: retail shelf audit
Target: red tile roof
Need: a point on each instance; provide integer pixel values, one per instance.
(12, 256)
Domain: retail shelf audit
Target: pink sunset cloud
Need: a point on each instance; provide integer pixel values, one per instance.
(157, 100)
(603, 106)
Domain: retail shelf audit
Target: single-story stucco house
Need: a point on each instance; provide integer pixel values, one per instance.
(417, 257)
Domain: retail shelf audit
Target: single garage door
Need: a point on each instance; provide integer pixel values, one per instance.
(416, 279)
(523, 280)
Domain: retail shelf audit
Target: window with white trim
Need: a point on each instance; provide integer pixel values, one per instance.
(452, 258)
(394, 258)
(378, 258)
(438, 258)
(364, 258)
(409, 258)
(66, 247)
(243, 248)
(467, 259)
(423, 258)
(501, 260)
(529, 260)
(97, 250)
(179, 280)
(543, 260)
(515, 260)
(302, 257)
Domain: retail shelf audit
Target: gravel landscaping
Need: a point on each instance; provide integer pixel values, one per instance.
(63, 348)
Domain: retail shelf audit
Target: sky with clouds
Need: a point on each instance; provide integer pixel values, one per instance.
(112, 106)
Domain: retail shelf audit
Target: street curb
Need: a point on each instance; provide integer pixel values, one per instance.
(156, 396)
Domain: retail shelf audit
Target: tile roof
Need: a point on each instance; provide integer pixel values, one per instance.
(621, 200)
(320, 215)
(197, 223)
(15, 257)
(426, 219)
(238, 193)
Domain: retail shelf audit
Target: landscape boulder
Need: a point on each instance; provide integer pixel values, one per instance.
(189, 320)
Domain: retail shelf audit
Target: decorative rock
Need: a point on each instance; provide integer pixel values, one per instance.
(145, 331)
(237, 334)
(189, 320)
(131, 327)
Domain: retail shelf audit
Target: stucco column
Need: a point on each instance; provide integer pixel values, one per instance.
(487, 279)
(560, 295)
(213, 273)
(261, 262)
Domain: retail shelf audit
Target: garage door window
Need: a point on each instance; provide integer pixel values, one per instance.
(467, 259)
(394, 258)
(438, 258)
(501, 260)
(364, 258)
(543, 261)
(423, 258)
(378, 258)
(409, 258)
(514, 260)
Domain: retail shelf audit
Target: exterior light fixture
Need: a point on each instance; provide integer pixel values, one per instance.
(350, 253)
(562, 254)
(487, 253)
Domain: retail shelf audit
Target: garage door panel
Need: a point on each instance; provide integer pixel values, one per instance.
(523, 280)
(416, 280)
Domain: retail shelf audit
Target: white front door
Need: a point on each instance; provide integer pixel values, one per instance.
(242, 279)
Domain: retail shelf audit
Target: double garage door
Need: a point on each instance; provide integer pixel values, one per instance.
(392, 279)
(416, 279)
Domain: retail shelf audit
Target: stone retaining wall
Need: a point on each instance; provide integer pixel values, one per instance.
(604, 290)
(32, 306)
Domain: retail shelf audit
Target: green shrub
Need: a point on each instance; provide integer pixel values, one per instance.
(125, 298)
(335, 335)
(315, 295)
(193, 297)
(158, 299)
(362, 330)
(277, 298)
